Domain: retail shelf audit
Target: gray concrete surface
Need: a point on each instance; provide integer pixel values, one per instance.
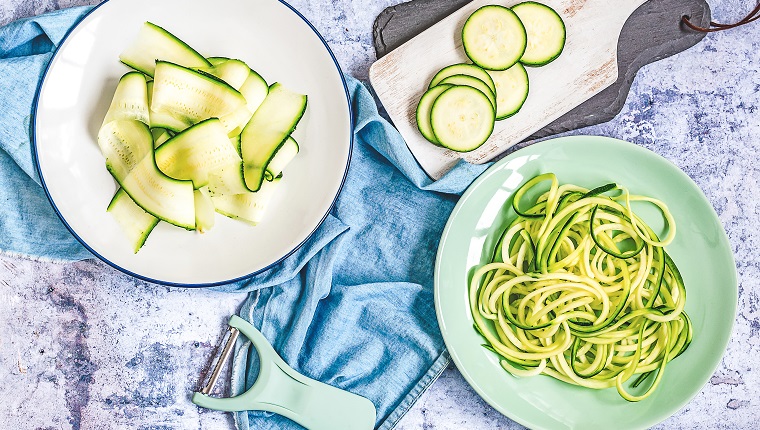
(83, 346)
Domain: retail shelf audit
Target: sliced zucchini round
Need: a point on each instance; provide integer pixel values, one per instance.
(545, 30)
(464, 69)
(494, 38)
(512, 88)
(423, 111)
(462, 118)
(474, 83)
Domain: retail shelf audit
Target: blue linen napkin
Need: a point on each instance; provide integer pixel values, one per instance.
(28, 224)
(353, 307)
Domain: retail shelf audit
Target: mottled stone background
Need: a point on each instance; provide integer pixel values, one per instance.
(85, 347)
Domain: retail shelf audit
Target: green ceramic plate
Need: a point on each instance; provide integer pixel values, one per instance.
(701, 251)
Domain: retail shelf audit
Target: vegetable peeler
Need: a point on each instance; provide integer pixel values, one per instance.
(282, 390)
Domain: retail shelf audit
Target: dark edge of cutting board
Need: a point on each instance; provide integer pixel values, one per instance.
(652, 32)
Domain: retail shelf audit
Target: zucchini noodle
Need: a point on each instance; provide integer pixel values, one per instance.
(580, 288)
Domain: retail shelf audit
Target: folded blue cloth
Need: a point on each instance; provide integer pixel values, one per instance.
(352, 308)
(28, 222)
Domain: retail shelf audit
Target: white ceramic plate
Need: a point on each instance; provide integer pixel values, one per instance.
(277, 42)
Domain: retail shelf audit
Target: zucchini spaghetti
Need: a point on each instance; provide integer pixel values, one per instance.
(580, 288)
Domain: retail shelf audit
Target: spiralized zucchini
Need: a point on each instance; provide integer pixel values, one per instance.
(581, 289)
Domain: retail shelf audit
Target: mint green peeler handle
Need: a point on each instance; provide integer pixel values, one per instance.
(282, 390)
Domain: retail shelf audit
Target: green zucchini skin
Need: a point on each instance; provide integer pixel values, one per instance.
(458, 128)
(474, 83)
(197, 152)
(536, 55)
(128, 149)
(184, 97)
(512, 89)
(134, 221)
(510, 31)
(268, 130)
(176, 132)
(423, 112)
(154, 42)
(464, 69)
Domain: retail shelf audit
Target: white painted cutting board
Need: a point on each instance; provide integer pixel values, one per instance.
(587, 65)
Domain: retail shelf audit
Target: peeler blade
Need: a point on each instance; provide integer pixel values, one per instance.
(231, 336)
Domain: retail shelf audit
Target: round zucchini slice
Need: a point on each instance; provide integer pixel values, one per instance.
(462, 118)
(464, 69)
(512, 88)
(474, 83)
(423, 111)
(494, 38)
(545, 30)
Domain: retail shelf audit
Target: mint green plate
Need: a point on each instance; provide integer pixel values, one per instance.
(700, 249)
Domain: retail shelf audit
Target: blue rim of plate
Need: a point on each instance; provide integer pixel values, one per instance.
(33, 134)
(466, 374)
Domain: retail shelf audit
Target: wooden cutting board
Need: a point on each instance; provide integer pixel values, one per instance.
(586, 85)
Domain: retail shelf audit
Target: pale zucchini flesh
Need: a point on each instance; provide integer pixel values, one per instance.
(494, 38)
(227, 181)
(235, 142)
(154, 43)
(123, 144)
(130, 100)
(512, 87)
(216, 60)
(134, 221)
(160, 136)
(255, 90)
(233, 72)
(463, 69)
(189, 97)
(474, 83)
(196, 152)
(128, 148)
(423, 111)
(249, 207)
(241, 77)
(161, 196)
(204, 211)
(162, 120)
(268, 129)
(235, 121)
(545, 30)
(462, 118)
(282, 158)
